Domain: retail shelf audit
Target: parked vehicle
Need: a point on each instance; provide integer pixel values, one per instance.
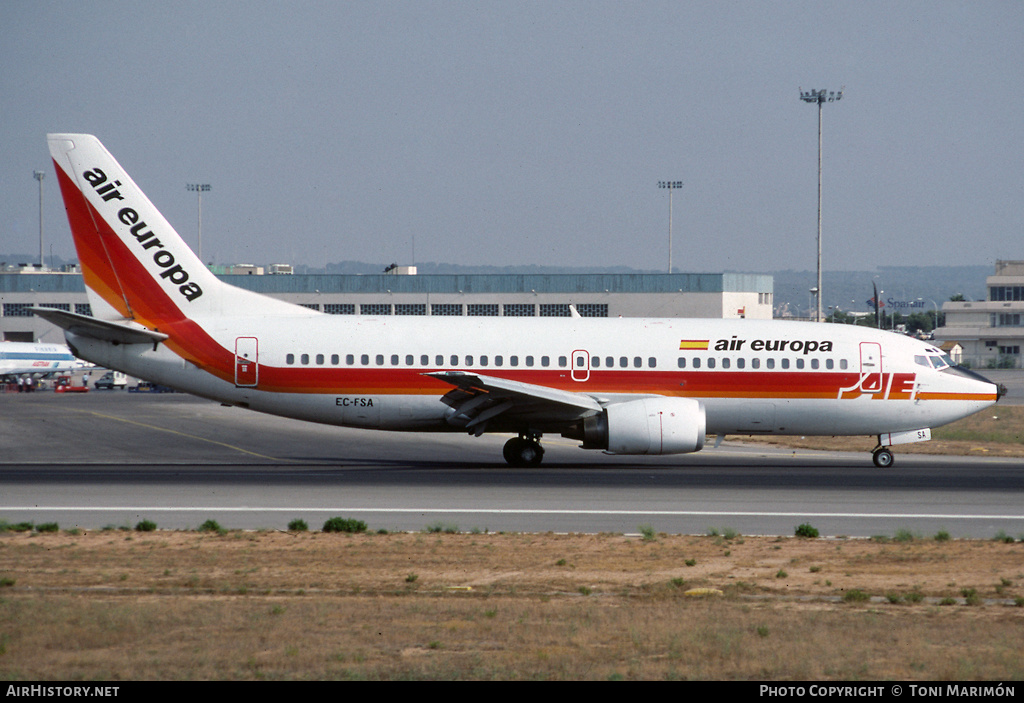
(63, 384)
(111, 380)
(147, 387)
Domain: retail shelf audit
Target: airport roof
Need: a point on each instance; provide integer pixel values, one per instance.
(445, 283)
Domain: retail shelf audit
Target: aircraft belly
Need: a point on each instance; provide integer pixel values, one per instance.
(863, 416)
(377, 412)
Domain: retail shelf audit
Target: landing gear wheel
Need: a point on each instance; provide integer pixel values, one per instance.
(882, 457)
(522, 451)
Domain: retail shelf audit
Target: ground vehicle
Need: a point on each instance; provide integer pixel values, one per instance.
(64, 384)
(111, 380)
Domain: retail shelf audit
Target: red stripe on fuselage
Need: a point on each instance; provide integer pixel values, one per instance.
(693, 384)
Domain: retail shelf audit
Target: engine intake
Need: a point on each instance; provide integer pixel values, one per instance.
(647, 426)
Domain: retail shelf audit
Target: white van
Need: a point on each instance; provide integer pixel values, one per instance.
(111, 380)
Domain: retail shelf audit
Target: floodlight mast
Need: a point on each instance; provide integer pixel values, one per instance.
(39, 175)
(820, 97)
(670, 185)
(199, 189)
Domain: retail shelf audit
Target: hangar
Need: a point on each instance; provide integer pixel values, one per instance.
(402, 292)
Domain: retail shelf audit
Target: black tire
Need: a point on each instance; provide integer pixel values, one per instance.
(522, 452)
(883, 458)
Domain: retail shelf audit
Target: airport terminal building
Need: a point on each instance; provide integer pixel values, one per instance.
(402, 292)
(991, 332)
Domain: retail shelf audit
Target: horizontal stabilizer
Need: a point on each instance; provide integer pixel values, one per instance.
(86, 326)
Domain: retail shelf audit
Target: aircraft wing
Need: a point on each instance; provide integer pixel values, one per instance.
(476, 399)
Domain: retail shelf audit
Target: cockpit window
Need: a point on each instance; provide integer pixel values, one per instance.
(935, 359)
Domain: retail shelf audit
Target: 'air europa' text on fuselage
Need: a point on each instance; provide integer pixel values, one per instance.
(775, 345)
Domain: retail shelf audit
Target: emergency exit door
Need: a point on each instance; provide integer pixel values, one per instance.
(247, 370)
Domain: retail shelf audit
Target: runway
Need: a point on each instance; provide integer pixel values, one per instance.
(111, 459)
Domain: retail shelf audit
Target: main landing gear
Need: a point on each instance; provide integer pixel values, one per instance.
(882, 457)
(524, 451)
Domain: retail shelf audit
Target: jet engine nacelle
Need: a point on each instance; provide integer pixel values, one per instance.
(647, 426)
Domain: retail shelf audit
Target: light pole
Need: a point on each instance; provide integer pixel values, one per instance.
(670, 185)
(39, 175)
(199, 189)
(820, 97)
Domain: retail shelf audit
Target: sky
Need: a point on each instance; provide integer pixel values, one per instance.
(533, 133)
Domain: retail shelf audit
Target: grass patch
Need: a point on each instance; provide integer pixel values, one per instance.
(341, 524)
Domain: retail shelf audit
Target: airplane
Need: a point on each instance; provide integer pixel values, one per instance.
(628, 386)
(17, 358)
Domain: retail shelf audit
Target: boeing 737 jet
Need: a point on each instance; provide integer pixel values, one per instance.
(17, 358)
(623, 386)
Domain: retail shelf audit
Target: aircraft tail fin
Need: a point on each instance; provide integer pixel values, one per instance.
(134, 264)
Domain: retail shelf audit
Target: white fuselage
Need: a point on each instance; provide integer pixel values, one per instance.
(763, 377)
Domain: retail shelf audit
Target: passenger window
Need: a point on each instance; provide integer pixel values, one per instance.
(335, 359)
(394, 359)
(350, 359)
(696, 362)
(529, 361)
(726, 363)
(424, 360)
(741, 363)
(682, 362)
(289, 359)
(652, 362)
(711, 363)
(595, 362)
(755, 363)
(409, 360)
(483, 360)
(770, 363)
(469, 360)
(562, 362)
(637, 362)
(380, 360)
(513, 361)
(545, 361)
(305, 359)
(364, 359)
(830, 363)
(609, 361)
(499, 360)
(814, 363)
(455, 360)
(785, 363)
(843, 364)
(320, 359)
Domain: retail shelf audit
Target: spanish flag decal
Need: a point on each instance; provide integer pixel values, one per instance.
(694, 344)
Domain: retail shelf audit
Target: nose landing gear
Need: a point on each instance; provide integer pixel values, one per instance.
(882, 457)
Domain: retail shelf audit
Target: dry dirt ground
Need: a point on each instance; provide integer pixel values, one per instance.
(273, 605)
